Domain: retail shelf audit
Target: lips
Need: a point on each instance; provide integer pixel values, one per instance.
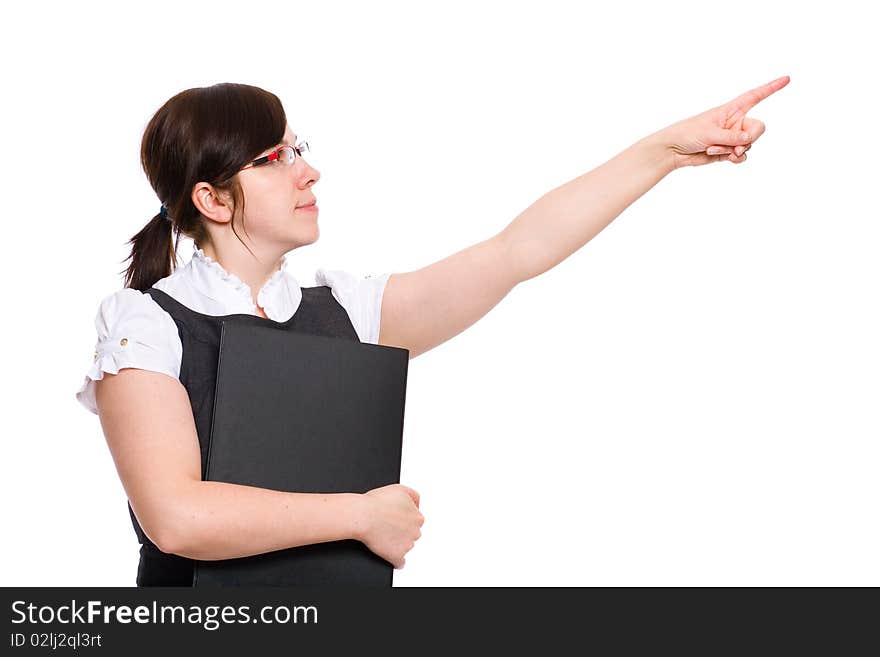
(306, 205)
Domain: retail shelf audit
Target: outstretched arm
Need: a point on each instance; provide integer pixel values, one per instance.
(422, 309)
(567, 217)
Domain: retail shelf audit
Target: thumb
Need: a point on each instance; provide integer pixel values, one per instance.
(723, 137)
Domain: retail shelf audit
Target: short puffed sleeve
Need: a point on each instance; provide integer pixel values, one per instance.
(133, 331)
(361, 296)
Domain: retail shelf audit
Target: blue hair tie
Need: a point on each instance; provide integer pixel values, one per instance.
(163, 211)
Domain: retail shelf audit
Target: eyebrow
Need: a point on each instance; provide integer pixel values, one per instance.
(278, 145)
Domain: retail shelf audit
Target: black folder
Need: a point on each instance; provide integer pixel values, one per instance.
(310, 414)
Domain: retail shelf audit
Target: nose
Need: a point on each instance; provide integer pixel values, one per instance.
(309, 175)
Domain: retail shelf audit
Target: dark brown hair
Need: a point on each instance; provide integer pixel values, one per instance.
(204, 134)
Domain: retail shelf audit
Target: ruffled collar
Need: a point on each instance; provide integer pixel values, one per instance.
(279, 297)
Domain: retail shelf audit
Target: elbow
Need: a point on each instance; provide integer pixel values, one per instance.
(171, 539)
(172, 528)
(516, 259)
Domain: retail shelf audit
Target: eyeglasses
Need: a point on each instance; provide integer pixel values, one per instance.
(285, 154)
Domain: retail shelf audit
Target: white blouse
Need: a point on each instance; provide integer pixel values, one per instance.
(135, 331)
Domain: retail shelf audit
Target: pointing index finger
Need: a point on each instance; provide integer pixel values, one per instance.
(751, 98)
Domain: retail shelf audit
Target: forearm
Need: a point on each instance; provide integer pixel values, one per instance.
(567, 217)
(214, 520)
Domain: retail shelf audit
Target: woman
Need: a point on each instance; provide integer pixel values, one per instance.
(223, 158)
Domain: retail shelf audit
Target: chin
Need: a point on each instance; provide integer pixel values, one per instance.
(309, 238)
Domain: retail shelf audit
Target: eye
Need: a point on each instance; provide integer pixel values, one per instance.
(285, 155)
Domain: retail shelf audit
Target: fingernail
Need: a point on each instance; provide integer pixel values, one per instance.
(745, 136)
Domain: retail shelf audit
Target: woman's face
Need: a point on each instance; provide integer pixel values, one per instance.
(272, 193)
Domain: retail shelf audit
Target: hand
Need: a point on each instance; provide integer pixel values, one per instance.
(392, 521)
(721, 133)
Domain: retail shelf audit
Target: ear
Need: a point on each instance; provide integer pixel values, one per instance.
(210, 203)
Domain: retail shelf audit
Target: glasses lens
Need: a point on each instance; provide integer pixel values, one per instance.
(287, 155)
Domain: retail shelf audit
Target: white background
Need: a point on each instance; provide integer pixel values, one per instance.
(689, 399)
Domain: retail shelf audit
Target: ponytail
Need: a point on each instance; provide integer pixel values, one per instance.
(153, 253)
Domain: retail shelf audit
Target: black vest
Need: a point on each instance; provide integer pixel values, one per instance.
(318, 314)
